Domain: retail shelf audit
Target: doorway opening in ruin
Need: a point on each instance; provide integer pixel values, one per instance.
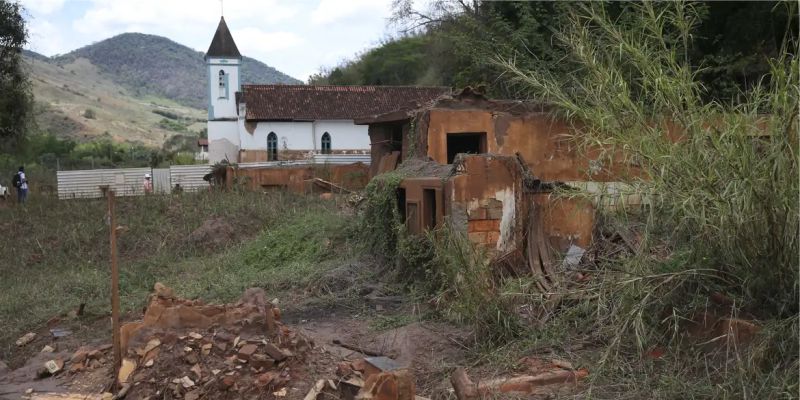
(469, 143)
(429, 208)
(401, 203)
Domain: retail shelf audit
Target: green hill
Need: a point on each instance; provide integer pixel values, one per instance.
(76, 100)
(156, 66)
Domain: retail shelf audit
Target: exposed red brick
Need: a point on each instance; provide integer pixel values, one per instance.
(484, 225)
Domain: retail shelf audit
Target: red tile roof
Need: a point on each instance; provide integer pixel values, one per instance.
(202, 142)
(310, 102)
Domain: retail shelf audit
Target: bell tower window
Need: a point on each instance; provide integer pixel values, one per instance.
(223, 85)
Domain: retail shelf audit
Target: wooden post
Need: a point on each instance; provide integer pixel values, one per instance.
(112, 222)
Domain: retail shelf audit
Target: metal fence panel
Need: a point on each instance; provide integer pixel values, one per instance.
(87, 183)
(189, 177)
(161, 180)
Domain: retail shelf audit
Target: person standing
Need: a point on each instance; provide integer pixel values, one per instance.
(148, 184)
(21, 184)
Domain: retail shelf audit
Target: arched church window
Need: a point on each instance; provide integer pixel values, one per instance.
(222, 83)
(272, 147)
(326, 143)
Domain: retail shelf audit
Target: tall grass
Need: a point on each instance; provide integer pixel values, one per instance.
(722, 177)
(722, 183)
(56, 253)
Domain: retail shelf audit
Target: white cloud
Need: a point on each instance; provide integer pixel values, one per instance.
(45, 38)
(43, 6)
(294, 36)
(256, 41)
(329, 11)
(113, 16)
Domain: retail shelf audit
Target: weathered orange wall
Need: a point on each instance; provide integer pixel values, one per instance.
(566, 221)
(489, 191)
(298, 178)
(540, 140)
(484, 191)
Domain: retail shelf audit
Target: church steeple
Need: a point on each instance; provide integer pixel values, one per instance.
(223, 46)
(223, 60)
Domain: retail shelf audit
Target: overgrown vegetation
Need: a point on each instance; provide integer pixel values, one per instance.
(458, 39)
(722, 183)
(381, 221)
(16, 102)
(442, 265)
(291, 241)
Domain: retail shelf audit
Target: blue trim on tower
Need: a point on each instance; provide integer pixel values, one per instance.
(210, 103)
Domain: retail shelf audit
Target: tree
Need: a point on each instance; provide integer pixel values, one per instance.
(16, 103)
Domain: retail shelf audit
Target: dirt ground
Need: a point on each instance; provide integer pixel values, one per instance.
(186, 349)
(429, 349)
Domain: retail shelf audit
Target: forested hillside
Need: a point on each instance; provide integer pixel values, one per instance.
(154, 65)
(458, 43)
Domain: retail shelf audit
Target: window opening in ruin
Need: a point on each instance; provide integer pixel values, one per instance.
(272, 147)
(468, 143)
(326, 143)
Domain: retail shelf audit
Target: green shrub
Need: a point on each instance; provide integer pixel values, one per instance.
(381, 219)
(89, 114)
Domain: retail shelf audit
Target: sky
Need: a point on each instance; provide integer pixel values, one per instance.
(296, 37)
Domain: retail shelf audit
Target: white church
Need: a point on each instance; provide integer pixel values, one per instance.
(254, 123)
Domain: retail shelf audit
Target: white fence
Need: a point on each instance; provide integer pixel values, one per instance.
(88, 183)
(130, 181)
(189, 177)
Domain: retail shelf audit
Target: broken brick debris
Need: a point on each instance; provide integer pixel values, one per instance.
(392, 385)
(26, 338)
(188, 349)
(548, 377)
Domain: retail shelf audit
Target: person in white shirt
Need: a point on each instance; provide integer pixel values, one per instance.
(21, 183)
(148, 184)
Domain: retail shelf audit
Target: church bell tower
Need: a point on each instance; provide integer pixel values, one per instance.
(223, 61)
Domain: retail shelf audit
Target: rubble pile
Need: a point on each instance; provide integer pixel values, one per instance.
(186, 349)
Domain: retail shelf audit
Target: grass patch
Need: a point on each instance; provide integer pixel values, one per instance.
(60, 257)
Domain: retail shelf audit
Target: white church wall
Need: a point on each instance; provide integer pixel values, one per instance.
(223, 141)
(291, 135)
(344, 135)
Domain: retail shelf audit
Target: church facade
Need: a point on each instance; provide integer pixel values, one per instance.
(254, 123)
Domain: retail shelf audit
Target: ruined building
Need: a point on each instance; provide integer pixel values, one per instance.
(491, 167)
